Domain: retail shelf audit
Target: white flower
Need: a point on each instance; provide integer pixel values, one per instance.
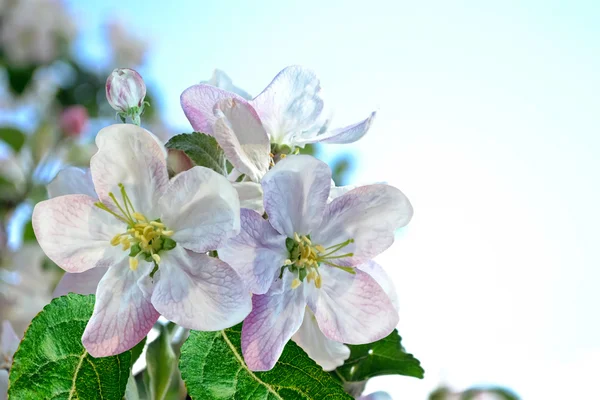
(125, 92)
(152, 235)
(307, 253)
(9, 342)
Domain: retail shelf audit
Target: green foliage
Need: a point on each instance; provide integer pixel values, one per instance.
(51, 362)
(19, 77)
(212, 368)
(202, 149)
(161, 364)
(384, 357)
(12, 137)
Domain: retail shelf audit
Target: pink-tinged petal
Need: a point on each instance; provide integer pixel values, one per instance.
(257, 253)
(251, 196)
(76, 234)
(347, 134)
(198, 102)
(132, 156)
(295, 194)
(72, 180)
(376, 396)
(9, 342)
(242, 137)
(377, 272)
(80, 283)
(199, 292)
(122, 314)
(202, 208)
(325, 352)
(221, 80)
(274, 319)
(290, 105)
(369, 215)
(352, 308)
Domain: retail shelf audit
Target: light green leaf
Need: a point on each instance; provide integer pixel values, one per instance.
(51, 362)
(212, 367)
(161, 363)
(202, 149)
(384, 357)
(12, 137)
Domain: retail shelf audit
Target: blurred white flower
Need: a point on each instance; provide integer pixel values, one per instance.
(9, 341)
(33, 31)
(128, 49)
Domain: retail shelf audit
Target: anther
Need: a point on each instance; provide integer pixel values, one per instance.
(133, 263)
(116, 240)
(156, 258)
(139, 216)
(295, 283)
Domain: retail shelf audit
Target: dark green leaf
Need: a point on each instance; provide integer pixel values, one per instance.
(28, 233)
(202, 149)
(51, 362)
(384, 357)
(19, 77)
(212, 368)
(161, 363)
(12, 137)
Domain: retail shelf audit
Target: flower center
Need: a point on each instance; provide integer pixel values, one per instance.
(306, 258)
(143, 238)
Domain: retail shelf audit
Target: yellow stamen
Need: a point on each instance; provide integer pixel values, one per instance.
(168, 233)
(295, 283)
(126, 243)
(139, 216)
(133, 263)
(116, 240)
(157, 224)
(156, 258)
(318, 282)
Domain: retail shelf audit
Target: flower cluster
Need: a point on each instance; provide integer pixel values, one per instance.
(273, 244)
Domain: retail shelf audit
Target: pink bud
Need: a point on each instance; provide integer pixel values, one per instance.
(125, 91)
(74, 120)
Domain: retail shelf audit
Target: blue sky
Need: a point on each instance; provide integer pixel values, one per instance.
(488, 119)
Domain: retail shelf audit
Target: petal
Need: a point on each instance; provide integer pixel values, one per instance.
(290, 105)
(242, 137)
(76, 234)
(199, 292)
(72, 180)
(275, 317)
(325, 352)
(295, 193)
(9, 341)
(257, 253)
(132, 156)
(80, 283)
(198, 102)
(383, 279)
(376, 396)
(202, 208)
(251, 196)
(347, 134)
(221, 80)
(352, 308)
(369, 215)
(3, 384)
(122, 314)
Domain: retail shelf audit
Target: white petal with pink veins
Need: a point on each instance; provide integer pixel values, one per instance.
(198, 102)
(199, 292)
(132, 156)
(241, 135)
(202, 208)
(352, 308)
(251, 196)
(76, 234)
(122, 316)
(257, 253)
(275, 317)
(327, 353)
(295, 193)
(369, 215)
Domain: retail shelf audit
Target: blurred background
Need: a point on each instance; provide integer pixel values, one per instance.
(488, 119)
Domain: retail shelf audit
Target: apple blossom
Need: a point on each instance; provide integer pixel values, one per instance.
(74, 120)
(288, 114)
(9, 341)
(152, 235)
(306, 254)
(125, 92)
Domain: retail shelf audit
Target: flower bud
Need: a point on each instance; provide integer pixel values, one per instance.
(125, 92)
(74, 120)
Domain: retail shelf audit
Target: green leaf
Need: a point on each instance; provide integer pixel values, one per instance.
(384, 357)
(212, 368)
(161, 363)
(202, 149)
(51, 362)
(12, 137)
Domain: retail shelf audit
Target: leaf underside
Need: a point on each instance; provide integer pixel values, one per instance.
(202, 149)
